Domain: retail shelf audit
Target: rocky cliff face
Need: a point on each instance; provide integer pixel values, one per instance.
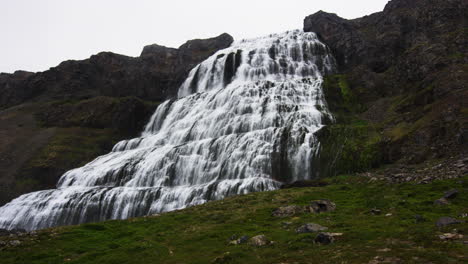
(153, 76)
(53, 121)
(404, 74)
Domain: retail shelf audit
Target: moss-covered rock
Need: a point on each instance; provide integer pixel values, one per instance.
(349, 144)
(348, 148)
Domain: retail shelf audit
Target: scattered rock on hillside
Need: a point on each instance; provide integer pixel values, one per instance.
(389, 260)
(260, 241)
(375, 211)
(451, 194)
(236, 241)
(310, 227)
(441, 201)
(422, 175)
(447, 195)
(14, 243)
(324, 238)
(14, 232)
(450, 236)
(289, 210)
(445, 221)
(419, 218)
(322, 206)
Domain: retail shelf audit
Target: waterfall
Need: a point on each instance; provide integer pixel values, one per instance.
(244, 121)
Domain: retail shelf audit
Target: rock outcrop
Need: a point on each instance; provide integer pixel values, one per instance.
(154, 76)
(404, 72)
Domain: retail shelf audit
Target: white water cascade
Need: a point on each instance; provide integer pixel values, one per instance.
(244, 121)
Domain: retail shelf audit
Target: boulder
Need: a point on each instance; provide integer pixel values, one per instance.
(376, 211)
(445, 221)
(441, 201)
(324, 238)
(260, 241)
(287, 211)
(14, 243)
(419, 218)
(450, 236)
(237, 241)
(310, 227)
(322, 206)
(450, 194)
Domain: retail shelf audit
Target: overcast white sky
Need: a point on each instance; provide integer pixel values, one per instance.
(38, 34)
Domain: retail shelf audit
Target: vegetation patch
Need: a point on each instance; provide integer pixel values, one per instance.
(403, 230)
(348, 148)
(350, 144)
(69, 148)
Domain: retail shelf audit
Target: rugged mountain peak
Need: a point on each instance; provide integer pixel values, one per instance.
(337, 32)
(406, 62)
(191, 46)
(397, 4)
(380, 38)
(155, 49)
(155, 75)
(221, 41)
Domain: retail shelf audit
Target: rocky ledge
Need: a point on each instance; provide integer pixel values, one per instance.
(154, 76)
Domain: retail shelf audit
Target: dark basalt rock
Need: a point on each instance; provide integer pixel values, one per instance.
(287, 211)
(322, 206)
(310, 227)
(379, 40)
(414, 50)
(4, 232)
(451, 194)
(260, 241)
(155, 75)
(445, 221)
(324, 238)
(441, 201)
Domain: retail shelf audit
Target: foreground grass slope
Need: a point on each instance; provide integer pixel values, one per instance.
(201, 234)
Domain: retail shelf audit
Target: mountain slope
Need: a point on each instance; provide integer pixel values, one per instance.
(53, 121)
(401, 96)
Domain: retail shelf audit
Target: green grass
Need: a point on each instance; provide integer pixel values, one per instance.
(350, 144)
(348, 148)
(200, 234)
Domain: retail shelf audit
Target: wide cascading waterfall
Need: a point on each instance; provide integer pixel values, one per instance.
(244, 121)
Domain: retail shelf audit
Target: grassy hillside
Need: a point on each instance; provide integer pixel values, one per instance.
(41, 141)
(201, 234)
